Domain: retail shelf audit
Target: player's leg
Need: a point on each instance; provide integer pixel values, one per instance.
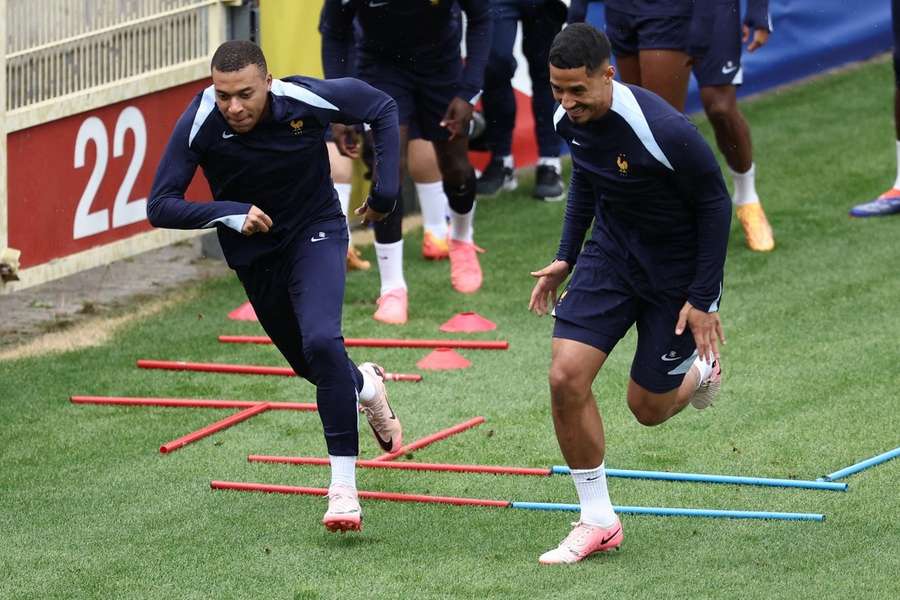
(591, 316)
(666, 373)
(539, 27)
(718, 74)
(434, 96)
(888, 203)
(499, 102)
(342, 176)
(421, 162)
(621, 29)
(665, 66)
(317, 257)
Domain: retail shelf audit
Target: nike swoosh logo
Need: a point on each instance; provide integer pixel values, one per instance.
(727, 70)
(385, 445)
(614, 534)
(576, 142)
(317, 239)
(593, 478)
(668, 358)
(226, 135)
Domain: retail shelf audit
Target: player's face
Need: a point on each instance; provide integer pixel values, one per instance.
(241, 96)
(584, 96)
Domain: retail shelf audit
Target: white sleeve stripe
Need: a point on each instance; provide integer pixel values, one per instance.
(297, 92)
(235, 222)
(558, 115)
(625, 104)
(476, 97)
(715, 305)
(207, 104)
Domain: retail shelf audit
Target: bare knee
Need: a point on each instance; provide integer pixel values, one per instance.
(646, 410)
(566, 388)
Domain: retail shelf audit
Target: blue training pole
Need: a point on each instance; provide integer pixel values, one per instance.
(678, 512)
(861, 466)
(732, 479)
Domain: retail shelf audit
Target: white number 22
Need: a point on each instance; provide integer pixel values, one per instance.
(125, 211)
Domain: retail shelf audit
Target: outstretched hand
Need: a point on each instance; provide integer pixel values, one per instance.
(369, 215)
(549, 279)
(706, 329)
(760, 37)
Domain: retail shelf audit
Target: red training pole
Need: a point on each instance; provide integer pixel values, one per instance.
(392, 496)
(180, 365)
(384, 342)
(217, 426)
(187, 402)
(406, 466)
(434, 437)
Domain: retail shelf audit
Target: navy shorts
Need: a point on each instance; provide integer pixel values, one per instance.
(422, 98)
(598, 308)
(628, 34)
(721, 64)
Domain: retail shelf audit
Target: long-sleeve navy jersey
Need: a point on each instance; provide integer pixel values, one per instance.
(280, 166)
(415, 34)
(652, 186)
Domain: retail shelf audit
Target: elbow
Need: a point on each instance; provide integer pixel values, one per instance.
(154, 212)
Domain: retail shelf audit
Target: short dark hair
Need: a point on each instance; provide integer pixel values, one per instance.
(234, 55)
(579, 45)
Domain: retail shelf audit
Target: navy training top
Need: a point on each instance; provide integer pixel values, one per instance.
(280, 166)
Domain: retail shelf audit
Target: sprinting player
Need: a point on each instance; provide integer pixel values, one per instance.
(888, 203)
(541, 20)
(260, 143)
(655, 46)
(411, 51)
(716, 49)
(651, 185)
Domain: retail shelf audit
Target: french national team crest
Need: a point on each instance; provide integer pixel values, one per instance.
(622, 164)
(297, 126)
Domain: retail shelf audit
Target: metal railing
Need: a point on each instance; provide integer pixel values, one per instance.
(56, 48)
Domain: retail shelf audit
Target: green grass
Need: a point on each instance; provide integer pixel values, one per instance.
(89, 508)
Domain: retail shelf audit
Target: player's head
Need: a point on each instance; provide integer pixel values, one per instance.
(580, 73)
(242, 81)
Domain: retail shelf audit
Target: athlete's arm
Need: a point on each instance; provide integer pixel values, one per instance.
(167, 207)
(578, 217)
(355, 102)
(336, 27)
(478, 46)
(757, 24)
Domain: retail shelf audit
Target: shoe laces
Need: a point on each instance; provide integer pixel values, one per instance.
(577, 537)
(341, 499)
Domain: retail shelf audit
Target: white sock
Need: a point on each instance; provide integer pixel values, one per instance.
(368, 389)
(744, 186)
(343, 192)
(550, 161)
(461, 228)
(897, 181)
(508, 162)
(593, 495)
(343, 470)
(433, 202)
(390, 265)
(704, 368)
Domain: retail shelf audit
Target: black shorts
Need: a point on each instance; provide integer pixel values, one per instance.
(721, 63)
(628, 34)
(598, 308)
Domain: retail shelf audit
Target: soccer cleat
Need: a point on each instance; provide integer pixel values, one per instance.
(886, 204)
(757, 230)
(465, 271)
(384, 423)
(548, 185)
(355, 261)
(434, 247)
(392, 307)
(582, 541)
(707, 391)
(344, 513)
(496, 177)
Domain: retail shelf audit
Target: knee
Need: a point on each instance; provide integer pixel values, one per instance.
(646, 413)
(500, 68)
(719, 110)
(324, 351)
(455, 172)
(566, 388)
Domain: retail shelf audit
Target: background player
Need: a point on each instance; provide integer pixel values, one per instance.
(261, 145)
(655, 258)
(412, 52)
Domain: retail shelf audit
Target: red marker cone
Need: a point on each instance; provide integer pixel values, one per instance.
(468, 322)
(443, 359)
(244, 312)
